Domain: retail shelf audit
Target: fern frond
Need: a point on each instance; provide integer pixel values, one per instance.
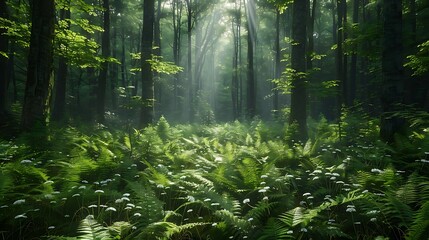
(420, 228)
(89, 229)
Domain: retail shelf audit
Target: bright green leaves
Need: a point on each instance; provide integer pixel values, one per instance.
(419, 62)
(158, 65)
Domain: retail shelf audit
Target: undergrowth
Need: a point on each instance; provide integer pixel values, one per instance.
(225, 181)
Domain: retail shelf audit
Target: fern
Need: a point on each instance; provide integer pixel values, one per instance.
(89, 229)
(420, 227)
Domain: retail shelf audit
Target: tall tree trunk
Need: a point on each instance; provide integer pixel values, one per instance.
(310, 53)
(148, 108)
(235, 24)
(114, 68)
(158, 52)
(392, 69)
(105, 51)
(298, 114)
(177, 9)
(189, 67)
(40, 64)
(61, 83)
(353, 64)
(124, 81)
(251, 39)
(277, 67)
(4, 47)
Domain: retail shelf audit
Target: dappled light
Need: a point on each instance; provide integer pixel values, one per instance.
(214, 119)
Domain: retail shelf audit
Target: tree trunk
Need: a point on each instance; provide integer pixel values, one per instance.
(177, 32)
(105, 51)
(148, 108)
(277, 70)
(310, 53)
(61, 83)
(353, 64)
(392, 69)
(298, 114)
(4, 47)
(189, 67)
(40, 64)
(251, 81)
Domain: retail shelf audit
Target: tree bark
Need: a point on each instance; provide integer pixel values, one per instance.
(148, 108)
(392, 70)
(277, 70)
(298, 114)
(105, 51)
(4, 47)
(353, 64)
(40, 65)
(251, 81)
(61, 83)
(189, 67)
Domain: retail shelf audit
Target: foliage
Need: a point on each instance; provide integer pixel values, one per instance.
(234, 180)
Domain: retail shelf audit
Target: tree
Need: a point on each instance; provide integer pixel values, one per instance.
(392, 69)
(251, 39)
(40, 64)
(4, 48)
(298, 111)
(105, 51)
(61, 81)
(147, 109)
(189, 66)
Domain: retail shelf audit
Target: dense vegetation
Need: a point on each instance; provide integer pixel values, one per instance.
(221, 181)
(214, 119)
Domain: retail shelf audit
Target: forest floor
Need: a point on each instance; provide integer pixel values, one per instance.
(223, 181)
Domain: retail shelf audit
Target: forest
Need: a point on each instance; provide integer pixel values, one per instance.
(214, 119)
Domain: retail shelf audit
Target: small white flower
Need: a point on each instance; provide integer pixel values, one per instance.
(126, 194)
(215, 204)
(303, 230)
(190, 210)
(264, 176)
(306, 194)
(207, 200)
(111, 209)
(137, 215)
(66, 216)
(214, 224)
(290, 232)
(131, 205)
(82, 187)
(376, 170)
(51, 227)
(49, 182)
(262, 190)
(119, 200)
(4, 206)
(20, 216)
(99, 191)
(92, 206)
(247, 200)
(265, 198)
(26, 161)
(84, 181)
(250, 219)
(20, 201)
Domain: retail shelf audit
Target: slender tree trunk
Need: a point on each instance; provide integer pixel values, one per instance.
(124, 81)
(251, 81)
(177, 32)
(310, 53)
(4, 47)
(105, 51)
(235, 24)
(392, 69)
(61, 83)
(354, 59)
(157, 52)
(189, 67)
(277, 70)
(148, 107)
(114, 68)
(40, 64)
(298, 114)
